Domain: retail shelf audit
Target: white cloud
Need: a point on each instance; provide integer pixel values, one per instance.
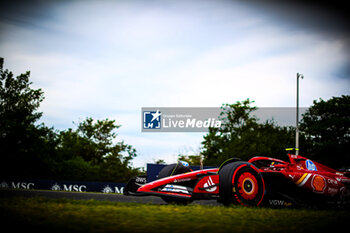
(110, 59)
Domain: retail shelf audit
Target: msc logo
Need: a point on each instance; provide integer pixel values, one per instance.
(152, 119)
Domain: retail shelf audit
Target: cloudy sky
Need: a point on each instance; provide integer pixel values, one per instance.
(107, 59)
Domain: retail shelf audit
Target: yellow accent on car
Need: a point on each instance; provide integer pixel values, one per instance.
(301, 178)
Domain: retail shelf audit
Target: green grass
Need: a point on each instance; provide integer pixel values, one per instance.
(64, 215)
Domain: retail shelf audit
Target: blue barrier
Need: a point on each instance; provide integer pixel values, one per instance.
(63, 185)
(81, 186)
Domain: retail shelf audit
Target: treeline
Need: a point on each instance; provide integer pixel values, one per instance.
(324, 134)
(89, 152)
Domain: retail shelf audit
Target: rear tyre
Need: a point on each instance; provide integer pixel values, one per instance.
(241, 183)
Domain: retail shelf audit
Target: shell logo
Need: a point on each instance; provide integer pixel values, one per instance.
(318, 183)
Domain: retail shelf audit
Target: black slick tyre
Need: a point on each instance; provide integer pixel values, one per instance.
(241, 183)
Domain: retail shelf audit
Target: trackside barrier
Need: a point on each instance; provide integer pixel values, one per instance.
(80, 186)
(62, 185)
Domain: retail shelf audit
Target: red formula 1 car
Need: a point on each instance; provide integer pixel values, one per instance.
(259, 181)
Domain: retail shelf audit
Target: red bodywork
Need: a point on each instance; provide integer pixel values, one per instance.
(208, 184)
(300, 173)
(307, 174)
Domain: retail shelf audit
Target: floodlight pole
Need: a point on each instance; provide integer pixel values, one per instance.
(297, 117)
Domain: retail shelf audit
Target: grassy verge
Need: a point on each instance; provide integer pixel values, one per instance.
(57, 215)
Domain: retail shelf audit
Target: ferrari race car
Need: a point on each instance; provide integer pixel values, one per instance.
(261, 181)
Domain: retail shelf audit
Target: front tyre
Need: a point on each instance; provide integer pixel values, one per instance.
(241, 183)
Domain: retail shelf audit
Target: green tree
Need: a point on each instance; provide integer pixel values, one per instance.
(18, 132)
(326, 130)
(191, 159)
(241, 136)
(160, 161)
(35, 151)
(91, 153)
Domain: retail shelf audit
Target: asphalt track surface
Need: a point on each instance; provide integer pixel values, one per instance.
(93, 196)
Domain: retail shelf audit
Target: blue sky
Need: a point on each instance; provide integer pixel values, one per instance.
(107, 59)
